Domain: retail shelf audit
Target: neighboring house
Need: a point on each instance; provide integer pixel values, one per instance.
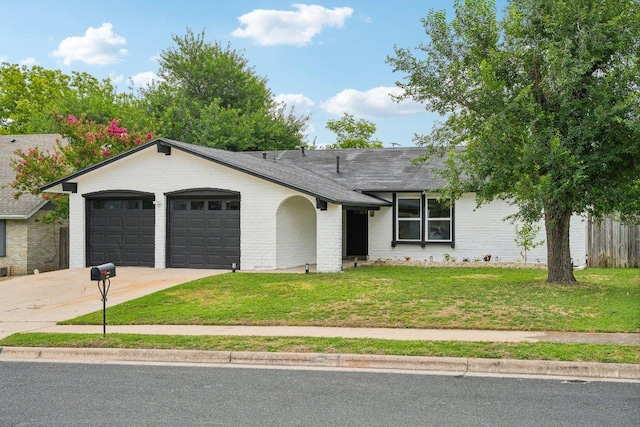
(26, 244)
(171, 204)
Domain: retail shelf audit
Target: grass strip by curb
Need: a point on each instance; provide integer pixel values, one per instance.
(604, 353)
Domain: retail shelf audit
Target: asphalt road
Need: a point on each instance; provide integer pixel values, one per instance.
(55, 394)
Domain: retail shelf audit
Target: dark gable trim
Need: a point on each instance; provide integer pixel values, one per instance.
(119, 194)
(164, 149)
(203, 192)
(395, 220)
(70, 186)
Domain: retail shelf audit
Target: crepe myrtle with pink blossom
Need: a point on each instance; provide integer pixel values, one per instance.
(85, 143)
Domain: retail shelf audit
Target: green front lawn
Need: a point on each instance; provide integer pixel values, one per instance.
(604, 300)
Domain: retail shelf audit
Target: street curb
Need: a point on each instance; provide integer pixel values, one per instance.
(455, 365)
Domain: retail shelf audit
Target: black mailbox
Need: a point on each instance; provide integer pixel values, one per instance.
(103, 272)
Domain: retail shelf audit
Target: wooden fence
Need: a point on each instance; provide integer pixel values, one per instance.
(611, 244)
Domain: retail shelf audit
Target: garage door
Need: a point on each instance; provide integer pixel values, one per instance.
(121, 231)
(204, 232)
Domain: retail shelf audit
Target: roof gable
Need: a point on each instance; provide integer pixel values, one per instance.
(282, 173)
(27, 204)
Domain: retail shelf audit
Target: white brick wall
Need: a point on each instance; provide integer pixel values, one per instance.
(296, 232)
(478, 232)
(330, 239)
(156, 173)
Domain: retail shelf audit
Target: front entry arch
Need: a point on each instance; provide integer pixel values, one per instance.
(295, 233)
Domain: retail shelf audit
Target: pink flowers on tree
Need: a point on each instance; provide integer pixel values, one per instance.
(86, 143)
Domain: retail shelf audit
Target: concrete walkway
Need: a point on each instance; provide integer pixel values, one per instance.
(381, 333)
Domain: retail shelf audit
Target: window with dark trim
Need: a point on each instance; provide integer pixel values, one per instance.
(3, 237)
(409, 214)
(422, 219)
(438, 220)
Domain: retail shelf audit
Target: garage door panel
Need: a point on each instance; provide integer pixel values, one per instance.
(178, 223)
(211, 233)
(98, 222)
(131, 239)
(98, 239)
(148, 223)
(232, 223)
(132, 222)
(215, 223)
(113, 239)
(196, 242)
(214, 242)
(179, 241)
(197, 223)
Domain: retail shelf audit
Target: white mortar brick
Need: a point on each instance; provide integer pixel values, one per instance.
(478, 232)
(330, 239)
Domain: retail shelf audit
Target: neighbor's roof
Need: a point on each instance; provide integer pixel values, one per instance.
(315, 173)
(27, 204)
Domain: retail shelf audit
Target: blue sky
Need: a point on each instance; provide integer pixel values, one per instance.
(324, 57)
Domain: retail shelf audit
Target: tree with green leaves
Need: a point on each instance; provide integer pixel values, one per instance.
(86, 143)
(352, 133)
(208, 94)
(526, 235)
(546, 102)
(30, 98)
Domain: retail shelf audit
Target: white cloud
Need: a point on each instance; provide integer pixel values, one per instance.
(374, 103)
(295, 28)
(143, 79)
(99, 46)
(4, 58)
(116, 78)
(28, 61)
(301, 104)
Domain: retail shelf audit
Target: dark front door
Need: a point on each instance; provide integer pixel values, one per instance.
(204, 232)
(357, 233)
(121, 231)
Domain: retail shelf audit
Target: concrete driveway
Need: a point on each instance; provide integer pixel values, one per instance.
(33, 302)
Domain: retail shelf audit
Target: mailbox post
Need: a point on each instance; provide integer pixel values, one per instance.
(102, 274)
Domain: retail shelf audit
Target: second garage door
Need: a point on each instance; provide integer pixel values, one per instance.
(204, 232)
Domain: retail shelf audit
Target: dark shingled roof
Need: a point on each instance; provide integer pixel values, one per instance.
(315, 173)
(366, 170)
(284, 173)
(26, 205)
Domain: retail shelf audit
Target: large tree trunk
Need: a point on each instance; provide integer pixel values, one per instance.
(560, 267)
